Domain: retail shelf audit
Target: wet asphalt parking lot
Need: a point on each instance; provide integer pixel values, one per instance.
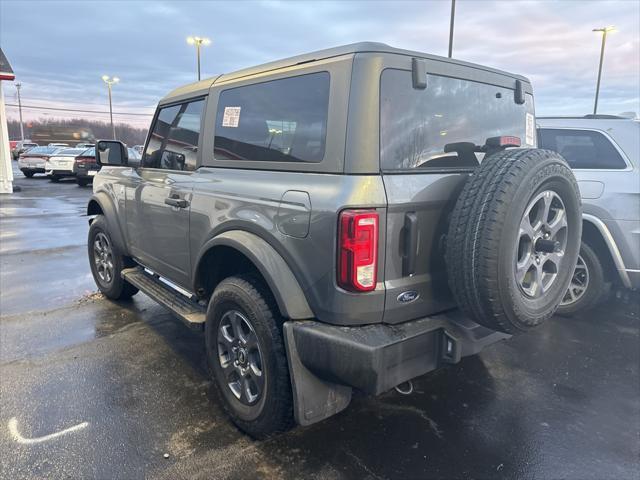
(90, 388)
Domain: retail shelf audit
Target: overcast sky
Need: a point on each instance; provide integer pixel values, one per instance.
(59, 50)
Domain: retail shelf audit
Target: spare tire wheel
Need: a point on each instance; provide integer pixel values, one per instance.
(514, 239)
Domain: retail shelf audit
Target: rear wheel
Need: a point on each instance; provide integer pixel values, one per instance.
(588, 286)
(28, 173)
(245, 351)
(82, 182)
(513, 239)
(107, 262)
(54, 178)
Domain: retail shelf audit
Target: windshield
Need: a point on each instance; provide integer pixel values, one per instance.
(419, 127)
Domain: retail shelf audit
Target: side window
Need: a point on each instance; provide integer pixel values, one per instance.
(278, 121)
(173, 144)
(585, 149)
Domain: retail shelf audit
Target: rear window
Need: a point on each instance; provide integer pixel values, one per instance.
(70, 151)
(586, 149)
(417, 126)
(276, 121)
(42, 150)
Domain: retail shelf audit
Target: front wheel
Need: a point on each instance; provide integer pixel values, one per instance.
(245, 351)
(54, 178)
(107, 262)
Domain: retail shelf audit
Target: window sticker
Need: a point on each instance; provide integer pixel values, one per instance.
(530, 131)
(231, 117)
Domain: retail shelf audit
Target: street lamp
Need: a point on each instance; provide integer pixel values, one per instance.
(110, 81)
(198, 42)
(604, 31)
(18, 87)
(451, 20)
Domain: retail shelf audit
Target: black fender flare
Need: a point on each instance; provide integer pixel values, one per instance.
(102, 202)
(288, 294)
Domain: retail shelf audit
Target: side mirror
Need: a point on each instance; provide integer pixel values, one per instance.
(111, 153)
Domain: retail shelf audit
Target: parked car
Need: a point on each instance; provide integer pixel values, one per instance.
(138, 148)
(85, 166)
(34, 160)
(604, 153)
(85, 145)
(61, 163)
(327, 232)
(21, 147)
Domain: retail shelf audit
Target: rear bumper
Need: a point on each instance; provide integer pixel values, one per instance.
(85, 171)
(326, 361)
(376, 358)
(60, 173)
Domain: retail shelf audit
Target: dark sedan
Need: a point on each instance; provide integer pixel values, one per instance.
(85, 166)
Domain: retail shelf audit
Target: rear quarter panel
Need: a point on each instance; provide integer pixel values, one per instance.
(227, 199)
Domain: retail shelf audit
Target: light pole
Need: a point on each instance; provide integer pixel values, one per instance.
(604, 31)
(18, 87)
(453, 15)
(110, 81)
(198, 42)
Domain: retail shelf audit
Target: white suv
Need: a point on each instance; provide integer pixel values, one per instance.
(603, 151)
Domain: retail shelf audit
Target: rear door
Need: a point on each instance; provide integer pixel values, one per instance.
(423, 176)
(159, 197)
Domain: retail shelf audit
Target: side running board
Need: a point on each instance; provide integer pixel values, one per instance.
(186, 309)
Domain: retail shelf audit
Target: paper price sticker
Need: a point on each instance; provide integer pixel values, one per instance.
(530, 131)
(231, 117)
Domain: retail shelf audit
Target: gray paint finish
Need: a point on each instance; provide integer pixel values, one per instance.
(296, 212)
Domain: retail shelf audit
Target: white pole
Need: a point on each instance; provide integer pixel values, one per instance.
(18, 86)
(6, 170)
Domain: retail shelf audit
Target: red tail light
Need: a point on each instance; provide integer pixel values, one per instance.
(358, 250)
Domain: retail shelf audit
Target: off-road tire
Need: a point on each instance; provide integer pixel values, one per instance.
(273, 412)
(117, 288)
(484, 232)
(28, 174)
(597, 290)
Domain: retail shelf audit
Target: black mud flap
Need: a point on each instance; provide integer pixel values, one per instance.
(313, 399)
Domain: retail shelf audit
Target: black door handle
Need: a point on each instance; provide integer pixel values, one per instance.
(410, 247)
(176, 202)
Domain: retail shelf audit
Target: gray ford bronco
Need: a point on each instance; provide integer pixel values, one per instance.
(343, 220)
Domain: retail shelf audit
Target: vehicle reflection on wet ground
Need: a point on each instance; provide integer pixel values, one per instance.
(93, 388)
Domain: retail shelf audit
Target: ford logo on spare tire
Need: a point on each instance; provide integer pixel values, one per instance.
(408, 297)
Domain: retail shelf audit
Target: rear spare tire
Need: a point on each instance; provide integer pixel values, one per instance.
(514, 238)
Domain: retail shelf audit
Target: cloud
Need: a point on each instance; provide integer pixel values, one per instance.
(60, 53)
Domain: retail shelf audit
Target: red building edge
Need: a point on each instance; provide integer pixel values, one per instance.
(6, 72)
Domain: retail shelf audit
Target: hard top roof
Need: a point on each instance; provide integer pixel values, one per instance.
(201, 87)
